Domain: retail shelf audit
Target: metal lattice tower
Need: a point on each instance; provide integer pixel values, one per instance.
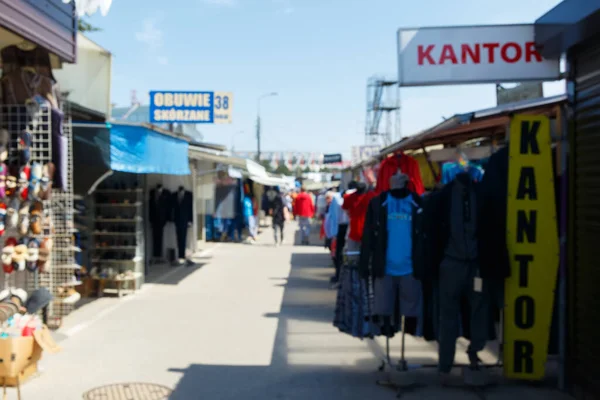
(383, 111)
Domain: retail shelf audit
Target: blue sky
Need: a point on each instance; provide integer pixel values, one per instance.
(318, 54)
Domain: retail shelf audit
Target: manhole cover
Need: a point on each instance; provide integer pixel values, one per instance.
(129, 391)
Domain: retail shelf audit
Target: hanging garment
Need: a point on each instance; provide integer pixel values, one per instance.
(356, 205)
(14, 58)
(335, 216)
(21, 85)
(459, 274)
(390, 167)
(450, 170)
(430, 172)
(225, 201)
(159, 209)
(352, 309)
(373, 265)
(339, 248)
(493, 253)
(456, 284)
(399, 229)
(403, 292)
(183, 216)
(374, 247)
(60, 150)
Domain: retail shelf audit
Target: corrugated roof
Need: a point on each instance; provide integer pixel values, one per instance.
(462, 123)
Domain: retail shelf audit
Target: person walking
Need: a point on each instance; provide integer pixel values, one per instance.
(304, 209)
(250, 218)
(279, 214)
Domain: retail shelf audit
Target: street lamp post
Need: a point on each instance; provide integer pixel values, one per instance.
(258, 121)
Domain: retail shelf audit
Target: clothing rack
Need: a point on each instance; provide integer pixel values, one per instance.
(397, 378)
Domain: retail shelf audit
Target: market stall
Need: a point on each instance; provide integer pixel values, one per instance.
(484, 234)
(128, 208)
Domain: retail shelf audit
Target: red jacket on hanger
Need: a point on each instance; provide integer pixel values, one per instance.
(356, 204)
(408, 165)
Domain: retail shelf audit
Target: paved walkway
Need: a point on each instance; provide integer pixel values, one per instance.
(250, 322)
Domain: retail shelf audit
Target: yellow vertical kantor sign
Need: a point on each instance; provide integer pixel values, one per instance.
(532, 238)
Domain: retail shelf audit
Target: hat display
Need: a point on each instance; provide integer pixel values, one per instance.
(38, 300)
(4, 138)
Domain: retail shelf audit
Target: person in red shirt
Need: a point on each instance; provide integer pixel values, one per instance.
(304, 209)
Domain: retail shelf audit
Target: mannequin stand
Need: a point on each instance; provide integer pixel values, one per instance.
(401, 379)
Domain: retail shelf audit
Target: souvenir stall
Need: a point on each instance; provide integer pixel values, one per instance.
(127, 211)
(418, 262)
(36, 197)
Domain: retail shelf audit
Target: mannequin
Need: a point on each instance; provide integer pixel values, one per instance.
(183, 217)
(459, 271)
(394, 283)
(159, 206)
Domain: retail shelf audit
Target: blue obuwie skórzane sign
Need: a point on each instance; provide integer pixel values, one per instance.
(190, 107)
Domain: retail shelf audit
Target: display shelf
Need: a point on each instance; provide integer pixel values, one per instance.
(119, 205)
(118, 220)
(72, 299)
(68, 266)
(116, 191)
(70, 283)
(137, 204)
(99, 233)
(116, 248)
(116, 261)
(68, 249)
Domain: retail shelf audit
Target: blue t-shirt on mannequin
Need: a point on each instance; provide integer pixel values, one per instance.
(399, 227)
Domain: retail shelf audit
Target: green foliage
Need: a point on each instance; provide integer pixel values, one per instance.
(85, 26)
(267, 165)
(283, 169)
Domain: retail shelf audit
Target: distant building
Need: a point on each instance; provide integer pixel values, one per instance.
(293, 160)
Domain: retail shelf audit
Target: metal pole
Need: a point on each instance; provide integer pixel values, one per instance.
(258, 136)
(258, 122)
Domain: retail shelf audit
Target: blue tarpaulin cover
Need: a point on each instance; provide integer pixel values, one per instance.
(140, 150)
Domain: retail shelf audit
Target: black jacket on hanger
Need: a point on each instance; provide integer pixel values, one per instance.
(159, 207)
(183, 208)
(439, 207)
(493, 250)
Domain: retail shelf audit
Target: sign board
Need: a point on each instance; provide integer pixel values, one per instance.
(190, 107)
(532, 238)
(361, 153)
(471, 54)
(332, 158)
(520, 92)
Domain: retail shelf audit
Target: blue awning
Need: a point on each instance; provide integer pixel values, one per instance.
(140, 150)
(101, 148)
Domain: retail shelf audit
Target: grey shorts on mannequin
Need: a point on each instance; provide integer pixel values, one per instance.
(404, 290)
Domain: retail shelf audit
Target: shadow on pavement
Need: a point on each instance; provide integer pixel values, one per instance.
(312, 360)
(173, 275)
(304, 335)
